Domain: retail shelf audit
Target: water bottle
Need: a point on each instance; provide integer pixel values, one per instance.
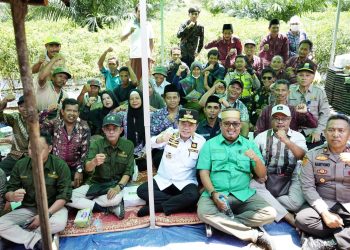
(98, 225)
(228, 210)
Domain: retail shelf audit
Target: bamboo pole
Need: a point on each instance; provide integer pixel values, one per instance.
(19, 10)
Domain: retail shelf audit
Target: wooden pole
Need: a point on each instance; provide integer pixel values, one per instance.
(19, 10)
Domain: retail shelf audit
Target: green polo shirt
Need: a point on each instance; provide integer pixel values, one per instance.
(57, 180)
(119, 160)
(230, 170)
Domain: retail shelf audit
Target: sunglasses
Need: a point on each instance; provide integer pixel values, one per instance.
(267, 77)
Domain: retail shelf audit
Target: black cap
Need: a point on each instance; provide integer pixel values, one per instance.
(227, 26)
(188, 115)
(212, 98)
(194, 9)
(20, 100)
(171, 88)
(306, 67)
(236, 81)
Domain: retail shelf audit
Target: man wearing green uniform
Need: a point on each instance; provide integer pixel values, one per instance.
(226, 163)
(110, 161)
(22, 224)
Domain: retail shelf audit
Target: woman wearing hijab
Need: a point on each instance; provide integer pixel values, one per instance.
(134, 128)
(95, 117)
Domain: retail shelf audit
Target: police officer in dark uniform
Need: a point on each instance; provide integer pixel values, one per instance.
(325, 181)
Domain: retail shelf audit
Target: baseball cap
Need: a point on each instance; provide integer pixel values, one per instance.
(306, 67)
(94, 82)
(112, 119)
(188, 115)
(249, 41)
(160, 70)
(280, 108)
(52, 40)
(236, 81)
(61, 70)
(20, 100)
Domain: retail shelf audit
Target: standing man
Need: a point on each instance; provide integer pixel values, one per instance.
(192, 36)
(229, 46)
(53, 47)
(316, 101)
(133, 30)
(21, 225)
(175, 185)
(20, 141)
(89, 95)
(225, 165)
(111, 74)
(274, 44)
(210, 126)
(281, 148)
(325, 181)
(110, 162)
(71, 139)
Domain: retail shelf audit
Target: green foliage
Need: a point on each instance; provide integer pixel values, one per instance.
(345, 4)
(268, 9)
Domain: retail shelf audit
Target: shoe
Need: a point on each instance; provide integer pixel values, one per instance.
(38, 245)
(118, 211)
(311, 243)
(264, 242)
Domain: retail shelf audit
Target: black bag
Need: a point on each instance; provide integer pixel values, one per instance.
(278, 184)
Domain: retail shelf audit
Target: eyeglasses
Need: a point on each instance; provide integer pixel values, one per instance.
(233, 124)
(278, 119)
(267, 77)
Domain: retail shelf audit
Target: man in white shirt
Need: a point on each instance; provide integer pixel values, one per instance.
(134, 31)
(159, 79)
(281, 148)
(175, 185)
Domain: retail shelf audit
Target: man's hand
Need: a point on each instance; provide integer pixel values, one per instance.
(99, 159)
(178, 61)
(345, 157)
(224, 102)
(301, 108)
(35, 223)
(112, 192)
(282, 136)
(181, 69)
(191, 24)
(132, 29)
(206, 73)
(210, 67)
(219, 204)
(18, 195)
(232, 52)
(78, 179)
(91, 100)
(110, 49)
(164, 137)
(266, 47)
(332, 220)
(252, 155)
(315, 137)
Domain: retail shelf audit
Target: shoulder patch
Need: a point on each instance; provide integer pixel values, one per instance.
(305, 160)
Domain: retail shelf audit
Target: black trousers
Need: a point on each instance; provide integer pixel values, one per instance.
(309, 221)
(171, 199)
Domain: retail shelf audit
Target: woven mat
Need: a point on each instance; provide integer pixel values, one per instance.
(111, 223)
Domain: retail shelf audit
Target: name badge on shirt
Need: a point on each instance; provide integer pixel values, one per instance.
(168, 155)
(322, 164)
(53, 175)
(122, 154)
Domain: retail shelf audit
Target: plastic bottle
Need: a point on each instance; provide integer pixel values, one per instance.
(98, 224)
(228, 210)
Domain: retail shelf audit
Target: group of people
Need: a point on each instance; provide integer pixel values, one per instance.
(295, 169)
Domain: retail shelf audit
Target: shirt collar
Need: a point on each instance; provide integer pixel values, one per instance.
(222, 140)
(309, 89)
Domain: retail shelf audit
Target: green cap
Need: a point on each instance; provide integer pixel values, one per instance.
(160, 70)
(61, 70)
(306, 67)
(94, 82)
(112, 119)
(52, 40)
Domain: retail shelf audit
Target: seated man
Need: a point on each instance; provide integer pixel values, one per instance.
(159, 79)
(110, 162)
(89, 95)
(215, 69)
(325, 182)
(278, 66)
(225, 165)
(19, 147)
(21, 226)
(128, 82)
(173, 65)
(175, 185)
(210, 127)
(281, 148)
(71, 139)
(111, 74)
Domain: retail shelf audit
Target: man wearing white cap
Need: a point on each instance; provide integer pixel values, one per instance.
(281, 148)
(225, 165)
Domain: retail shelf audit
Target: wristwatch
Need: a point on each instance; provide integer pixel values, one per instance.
(121, 186)
(79, 170)
(212, 193)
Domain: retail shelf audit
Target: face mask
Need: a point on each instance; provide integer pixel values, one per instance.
(294, 27)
